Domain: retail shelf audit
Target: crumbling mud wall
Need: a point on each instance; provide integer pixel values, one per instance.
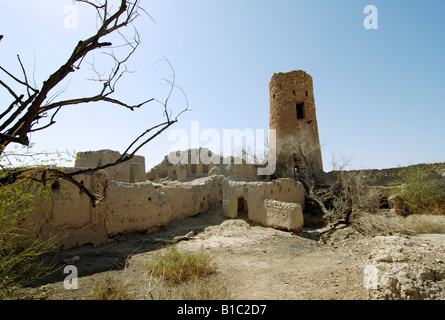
(130, 171)
(138, 207)
(68, 214)
(132, 204)
(191, 167)
(253, 199)
(127, 208)
(284, 215)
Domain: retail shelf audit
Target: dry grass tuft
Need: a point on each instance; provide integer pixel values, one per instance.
(426, 223)
(111, 289)
(182, 275)
(384, 223)
(176, 266)
(211, 287)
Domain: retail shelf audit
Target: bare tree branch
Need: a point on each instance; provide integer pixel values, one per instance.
(11, 106)
(49, 124)
(25, 83)
(22, 116)
(124, 16)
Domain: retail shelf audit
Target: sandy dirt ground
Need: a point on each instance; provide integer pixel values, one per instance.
(252, 261)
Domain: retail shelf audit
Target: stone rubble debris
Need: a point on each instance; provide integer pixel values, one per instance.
(402, 268)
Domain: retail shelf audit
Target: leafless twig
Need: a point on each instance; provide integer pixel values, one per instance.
(22, 114)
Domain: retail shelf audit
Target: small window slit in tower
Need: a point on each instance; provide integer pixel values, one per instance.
(300, 110)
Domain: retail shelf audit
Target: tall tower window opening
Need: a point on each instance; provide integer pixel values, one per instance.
(300, 110)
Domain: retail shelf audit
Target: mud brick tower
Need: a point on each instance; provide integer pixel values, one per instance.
(292, 115)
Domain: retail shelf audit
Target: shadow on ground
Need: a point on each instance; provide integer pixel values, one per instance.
(113, 256)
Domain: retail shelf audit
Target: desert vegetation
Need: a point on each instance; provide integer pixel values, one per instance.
(180, 274)
(175, 266)
(358, 199)
(111, 289)
(421, 188)
(22, 256)
(171, 273)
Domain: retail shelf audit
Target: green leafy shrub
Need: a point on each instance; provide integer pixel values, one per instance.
(21, 256)
(421, 189)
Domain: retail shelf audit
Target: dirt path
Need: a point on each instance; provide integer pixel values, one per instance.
(254, 262)
(263, 263)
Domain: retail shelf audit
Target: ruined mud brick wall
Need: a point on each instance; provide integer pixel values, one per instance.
(130, 171)
(293, 116)
(284, 215)
(132, 207)
(254, 198)
(230, 167)
(139, 207)
(127, 208)
(68, 213)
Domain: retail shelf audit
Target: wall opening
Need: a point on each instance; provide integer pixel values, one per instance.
(55, 186)
(193, 169)
(300, 110)
(242, 209)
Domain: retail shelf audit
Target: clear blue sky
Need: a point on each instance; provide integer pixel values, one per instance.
(379, 93)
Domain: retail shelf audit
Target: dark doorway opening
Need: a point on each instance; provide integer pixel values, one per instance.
(242, 209)
(300, 110)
